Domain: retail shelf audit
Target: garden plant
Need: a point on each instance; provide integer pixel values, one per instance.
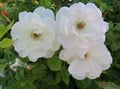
(59, 44)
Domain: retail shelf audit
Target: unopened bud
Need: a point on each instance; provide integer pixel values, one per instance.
(1, 5)
(29, 67)
(4, 13)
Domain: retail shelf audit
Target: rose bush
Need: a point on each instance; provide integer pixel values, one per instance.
(31, 32)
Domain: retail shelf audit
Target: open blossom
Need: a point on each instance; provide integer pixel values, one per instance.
(34, 34)
(80, 26)
(87, 62)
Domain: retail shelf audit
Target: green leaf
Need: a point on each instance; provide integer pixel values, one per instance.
(38, 72)
(35, 2)
(110, 26)
(105, 7)
(107, 85)
(117, 27)
(96, 1)
(6, 42)
(45, 3)
(30, 86)
(115, 46)
(113, 36)
(54, 64)
(4, 30)
(58, 77)
(20, 75)
(9, 55)
(2, 67)
(65, 75)
(116, 64)
(84, 84)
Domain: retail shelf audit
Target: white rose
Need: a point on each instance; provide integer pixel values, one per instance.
(35, 34)
(87, 62)
(80, 26)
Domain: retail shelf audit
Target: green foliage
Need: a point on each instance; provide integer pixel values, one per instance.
(108, 85)
(53, 73)
(104, 7)
(45, 3)
(4, 29)
(6, 42)
(63, 75)
(84, 84)
(54, 63)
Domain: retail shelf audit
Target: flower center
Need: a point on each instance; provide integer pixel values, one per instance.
(36, 34)
(80, 25)
(86, 55)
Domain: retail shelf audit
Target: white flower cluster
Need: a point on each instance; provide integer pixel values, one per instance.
(82, 34)
(80, 29)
